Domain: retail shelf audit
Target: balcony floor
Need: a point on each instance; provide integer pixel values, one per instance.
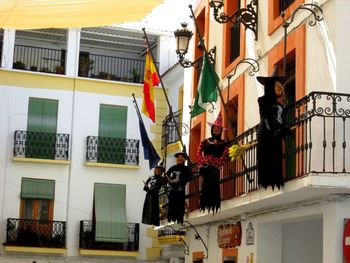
(312, 188)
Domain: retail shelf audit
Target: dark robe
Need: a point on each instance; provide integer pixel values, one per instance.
(270, 138)
(214, 151)
(178, 176)
(150, 213)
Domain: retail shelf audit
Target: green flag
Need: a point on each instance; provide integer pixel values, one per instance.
(206, 91)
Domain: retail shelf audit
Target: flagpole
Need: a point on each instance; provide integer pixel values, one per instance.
(167, 98)
(207, 56)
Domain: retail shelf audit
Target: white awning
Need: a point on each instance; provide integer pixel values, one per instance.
(35, 14)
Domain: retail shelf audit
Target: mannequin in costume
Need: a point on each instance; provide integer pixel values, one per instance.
(150, 213)
(178, 175)
(211, 155)
(271, 133)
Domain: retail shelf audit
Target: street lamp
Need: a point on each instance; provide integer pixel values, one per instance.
(183, 37)
(247, 16)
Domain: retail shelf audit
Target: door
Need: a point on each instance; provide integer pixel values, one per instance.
(41, 128)
(112, 134)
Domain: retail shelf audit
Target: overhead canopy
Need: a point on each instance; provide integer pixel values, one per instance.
(31, 14)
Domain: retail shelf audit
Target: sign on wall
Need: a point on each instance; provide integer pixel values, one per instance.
(249, 239)
(230, 235)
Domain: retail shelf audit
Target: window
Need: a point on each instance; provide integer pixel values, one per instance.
(197, 257)
(110, 213)
(112, 134)
(276, 7)
(37, 197)
(234, 39)
(41, 128)
(230, 255)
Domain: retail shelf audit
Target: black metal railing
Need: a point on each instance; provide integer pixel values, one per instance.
(39, 59)
(319, 126)
(169, 130)
(42, 145)
(170, 232)
(112, 150)
(87, 238)
(284, 4)
(112, 68)
(35, 233)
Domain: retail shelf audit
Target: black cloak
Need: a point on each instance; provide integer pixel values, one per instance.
(150, 213)
(214, 150)
(178, 176)
(270, 136)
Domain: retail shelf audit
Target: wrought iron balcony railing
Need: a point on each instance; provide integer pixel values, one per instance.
(319, 124)
(112, 150)
(169, 129)
(50, 60)
(35, 233)
(87, 238)
(39, 59)
(54, 146)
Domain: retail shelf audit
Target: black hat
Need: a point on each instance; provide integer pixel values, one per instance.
(180, 153)
(267, 81)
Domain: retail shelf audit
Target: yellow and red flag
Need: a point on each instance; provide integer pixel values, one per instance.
(151, 79)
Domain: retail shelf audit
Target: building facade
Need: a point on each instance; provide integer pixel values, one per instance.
(305, 220)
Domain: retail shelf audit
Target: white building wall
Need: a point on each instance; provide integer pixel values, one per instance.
(77, 178)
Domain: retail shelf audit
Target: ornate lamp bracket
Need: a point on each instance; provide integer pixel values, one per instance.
(186, 63)
(252, 62)
(317, 13)
(247, 16)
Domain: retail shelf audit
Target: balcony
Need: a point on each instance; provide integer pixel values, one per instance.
(88, 245)
(35, 236)
(169, 129)
(169, 236)
(41, 147)
(113, 151)
(316, 146)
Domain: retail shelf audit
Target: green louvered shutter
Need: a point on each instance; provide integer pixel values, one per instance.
(41, 128)
(38, 189)
(110, 213)
(112, 134)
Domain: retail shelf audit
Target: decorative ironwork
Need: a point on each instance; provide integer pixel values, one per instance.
(87, 238)
(247, 16)
(252, 62)
(180, 233)
(35, 233)
(169, 131)
(112, 150)
(313, 9)
(318, 124)
(42, 145)
(184, 62)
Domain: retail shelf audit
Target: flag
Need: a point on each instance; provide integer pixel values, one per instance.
(206, 91)
(151, 79)
(149, 152)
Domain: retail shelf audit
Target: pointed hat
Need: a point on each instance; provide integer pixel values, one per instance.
(217, 122)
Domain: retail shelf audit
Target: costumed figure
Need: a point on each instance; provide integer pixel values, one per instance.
(271, 133)
(178, 175)
(150, 213)
(211, 155)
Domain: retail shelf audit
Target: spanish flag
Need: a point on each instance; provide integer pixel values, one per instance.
(151, 79)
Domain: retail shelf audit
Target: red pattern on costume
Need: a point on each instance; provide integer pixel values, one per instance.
(217, 162)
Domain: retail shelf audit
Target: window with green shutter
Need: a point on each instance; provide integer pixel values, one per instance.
(110, 213)
(41, 128)
(112, 134)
